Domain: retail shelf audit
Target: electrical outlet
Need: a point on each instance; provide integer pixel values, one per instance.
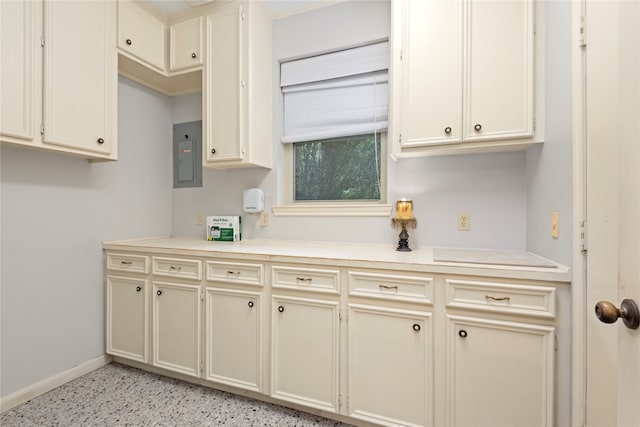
(464, 221)
(555, 225)
(264, 218)
(199, 218)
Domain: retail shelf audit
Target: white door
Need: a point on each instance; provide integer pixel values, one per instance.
(612, 208)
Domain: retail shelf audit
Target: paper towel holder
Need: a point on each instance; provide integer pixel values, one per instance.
(253, 200)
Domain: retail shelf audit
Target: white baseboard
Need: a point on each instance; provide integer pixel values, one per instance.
(41, 387)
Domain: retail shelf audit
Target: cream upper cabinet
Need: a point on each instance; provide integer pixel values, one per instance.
(141, 35)
(431, 90)
(80, 83)
(463, 76)
(237, 87)
(21, 24)
(499, 70)
(60, 84)
(185, 44)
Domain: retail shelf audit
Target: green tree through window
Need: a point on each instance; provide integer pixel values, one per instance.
(346, 168)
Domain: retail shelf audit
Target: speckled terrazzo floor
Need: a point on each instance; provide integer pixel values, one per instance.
(118, 395)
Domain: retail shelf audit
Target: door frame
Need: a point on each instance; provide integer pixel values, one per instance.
(578, 285)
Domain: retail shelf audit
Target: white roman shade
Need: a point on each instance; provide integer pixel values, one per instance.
(337, 94)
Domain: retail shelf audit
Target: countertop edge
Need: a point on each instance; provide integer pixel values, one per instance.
(376, 256)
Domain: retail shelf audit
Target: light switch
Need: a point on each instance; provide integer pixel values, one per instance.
(555, 225)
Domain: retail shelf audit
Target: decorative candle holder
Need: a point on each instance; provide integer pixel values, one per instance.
(403, 219)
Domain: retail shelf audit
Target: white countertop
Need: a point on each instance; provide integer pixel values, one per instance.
(484, 262)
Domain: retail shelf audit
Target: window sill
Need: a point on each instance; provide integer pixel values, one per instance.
(353, 209)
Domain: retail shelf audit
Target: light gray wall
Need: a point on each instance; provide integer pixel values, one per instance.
(55, 212)
(549, 171)
(492, 187)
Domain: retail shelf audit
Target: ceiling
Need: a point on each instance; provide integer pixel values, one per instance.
(171, 7)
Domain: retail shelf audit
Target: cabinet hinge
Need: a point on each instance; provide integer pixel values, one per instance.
(343, 315)
(340, 401)
(242, 16)
(42, 129)
(534, 125)
(400, 139)
(555, 344)
(582, 31)
(583, 235)
(401, 54)
(41, 41)
(201, 368)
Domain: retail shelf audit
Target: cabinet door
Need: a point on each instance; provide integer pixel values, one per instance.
(499, 373)
(499, 75)
(305, 352)
(390, 366)
(19, 21)
(232, 334)
(141, 34)
(127, 302)
(186, 44)
(431, 109)
(224, 86)
(176, 327)
(80, 75)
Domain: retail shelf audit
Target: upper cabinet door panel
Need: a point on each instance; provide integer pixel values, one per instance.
(17, 68)
(223, 85)
(432, 72)
(80, 75)
(186, 44)
(141, 34)
(499, 79)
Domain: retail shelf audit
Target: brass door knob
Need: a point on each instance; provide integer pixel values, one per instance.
(607, 312)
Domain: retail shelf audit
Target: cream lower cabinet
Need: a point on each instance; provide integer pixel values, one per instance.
(305, 351)
(392, 346)
(499, 373)
(177, 314)
(233, 338)
(127, 314)
(177, 327)
(234, 323)
(500, 353)
(128, 299)
(389, 359)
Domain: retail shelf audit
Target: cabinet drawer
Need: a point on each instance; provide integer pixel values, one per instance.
(175, 267)
(235, 272)
(311, 279)
(391, 286)
(502, 297)
(128, 262)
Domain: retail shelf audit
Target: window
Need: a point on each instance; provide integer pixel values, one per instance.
(337, 169)
(335, 120)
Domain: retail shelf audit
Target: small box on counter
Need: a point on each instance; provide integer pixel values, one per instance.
(224, 228)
